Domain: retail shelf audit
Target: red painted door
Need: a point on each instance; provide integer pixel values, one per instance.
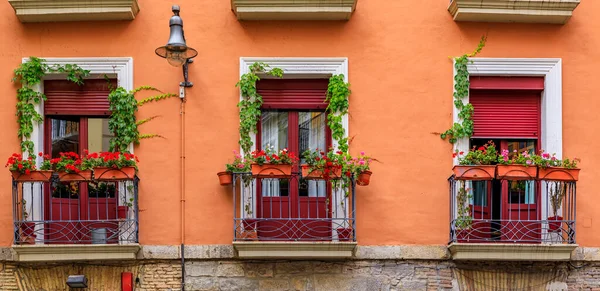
(76, 121)
(520, 201)
(293, 118)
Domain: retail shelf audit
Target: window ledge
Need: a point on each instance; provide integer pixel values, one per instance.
(527, 11)
(74, 10)
(511, 252)
(293, 9)
(294, 250)
(38, 253)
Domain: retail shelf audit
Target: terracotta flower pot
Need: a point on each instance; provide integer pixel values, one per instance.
(103, 173)
(271, 171)
(344, 234)
(74, 177)
(27, 228)
(225, 178)
(474, 172)
(34, 176)
(122, 212)
(364, 178)
(516, 172)
(318, 174)
(558, 174)
(249, 235)
(554, 226)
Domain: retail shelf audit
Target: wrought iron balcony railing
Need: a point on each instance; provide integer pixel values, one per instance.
(292, 209)
(75, 212)
(503, 211)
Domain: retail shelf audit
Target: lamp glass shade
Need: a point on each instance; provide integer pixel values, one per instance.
(176, 55)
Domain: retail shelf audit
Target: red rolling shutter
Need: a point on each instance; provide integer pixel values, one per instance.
(505, 114)
(66, 98)
(293, 93)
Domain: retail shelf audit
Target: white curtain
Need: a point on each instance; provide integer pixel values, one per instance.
(316, 140)
(273, 134)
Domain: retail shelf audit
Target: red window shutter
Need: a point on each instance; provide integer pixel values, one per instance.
(293, 93)
(66, 98)
(506, 113)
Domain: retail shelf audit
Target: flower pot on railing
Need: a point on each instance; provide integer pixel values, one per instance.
(27, 232)
(364, 178)
(74, 177)
(33, 176)
(558, 174)
(122, 212)
(281, 171)
(249, 230)
(104, 173)
(334, 173)
(516, 172)
(474, 172)
(344, 234)
(554, 223)
(225, 178)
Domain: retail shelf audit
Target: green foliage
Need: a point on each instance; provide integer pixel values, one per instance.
(461, 90)
(156, 97)
(122, 120)
(338, 92)
(251, 102)
(464, 219)
(150, 135)
(484, 155)
(28, 75)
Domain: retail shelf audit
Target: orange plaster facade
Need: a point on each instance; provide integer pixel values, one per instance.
(401, 80)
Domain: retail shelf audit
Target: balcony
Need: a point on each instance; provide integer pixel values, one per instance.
(75, 219)
(292, 217)
(526, 11)
(293, 9)
(512, 220)
(74, 10)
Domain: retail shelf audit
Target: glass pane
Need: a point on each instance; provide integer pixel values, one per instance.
(311, 133)
(480, 191)
(64, 136)
(274, 133)
(98, 135)
(521, 192)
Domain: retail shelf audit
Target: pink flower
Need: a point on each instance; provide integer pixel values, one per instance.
(545, 155)
(361, 162)
(362, 153)
(514, 151)
(505, 158)
(528, 162)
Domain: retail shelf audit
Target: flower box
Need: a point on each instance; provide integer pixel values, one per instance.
(272, 171)
(33, 176)
(104, 173)
(516, 172)
(558, 174)
(73, 177)
(474, 172)
(318, 174)
(225, 178)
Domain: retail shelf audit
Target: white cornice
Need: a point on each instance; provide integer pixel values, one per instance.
(293, 9)
(535, 11)
(74, 10)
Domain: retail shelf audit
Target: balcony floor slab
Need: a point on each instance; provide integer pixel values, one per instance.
(66, 252)
(294, 250)
(511, 252)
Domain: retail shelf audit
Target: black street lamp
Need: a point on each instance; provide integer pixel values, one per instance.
(176, 51)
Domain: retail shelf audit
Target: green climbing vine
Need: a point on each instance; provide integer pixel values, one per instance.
(30, 74)
(251, 102)
(461, 90)
(338, 92)
(123, 122)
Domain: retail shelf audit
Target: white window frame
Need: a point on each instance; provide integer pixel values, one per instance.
(300, 68)
(119, 67)
(551, 109)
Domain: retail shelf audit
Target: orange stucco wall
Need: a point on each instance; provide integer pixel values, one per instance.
(401, 80)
